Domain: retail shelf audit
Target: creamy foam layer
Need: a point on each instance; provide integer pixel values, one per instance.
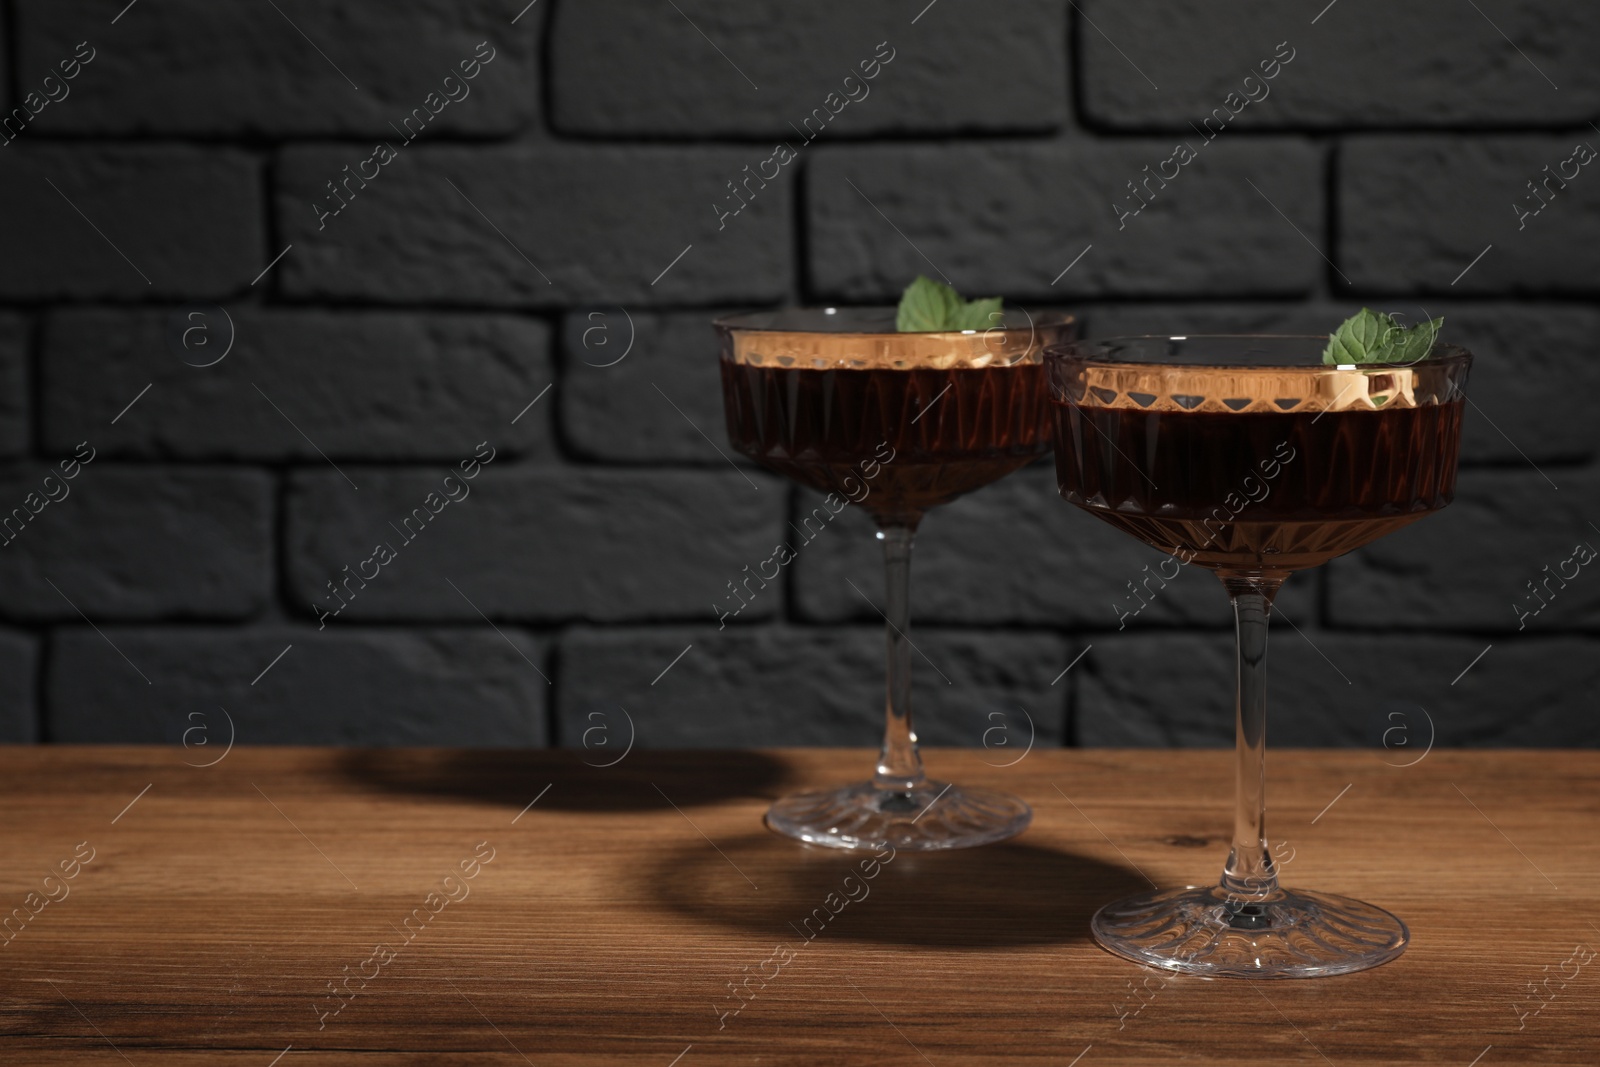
(865, 339)
(1080, 378)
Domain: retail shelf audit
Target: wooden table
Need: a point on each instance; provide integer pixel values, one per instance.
(607, 922)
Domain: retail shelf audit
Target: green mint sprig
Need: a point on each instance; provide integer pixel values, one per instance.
(1375, 337)
(927, 306)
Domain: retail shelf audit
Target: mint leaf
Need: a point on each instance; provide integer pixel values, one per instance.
(978, 314)
(1413, 344)
(925, 306)
(928, 306)
(1374, 337)
(1357, 337)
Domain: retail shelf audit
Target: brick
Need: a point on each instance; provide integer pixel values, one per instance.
(746, 687)
(1416, 211)
(1531, 377)
(136, 542)
(1346, 689)
(1469, 566)
(597, 225)
(618, 69)
(296, 385)
(188, 220)
(350, 687)
(623, 412)
(1014, 552)
(15, 340)
(1530, 383)
(261, 73)
(994, 220)
(535, 544)
(1345, 71)
(19, 718)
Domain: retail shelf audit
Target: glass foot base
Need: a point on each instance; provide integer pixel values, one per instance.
(932, 816)
(1200, 931)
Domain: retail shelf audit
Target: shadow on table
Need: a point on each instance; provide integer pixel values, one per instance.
(1009, 894)
(643, 781)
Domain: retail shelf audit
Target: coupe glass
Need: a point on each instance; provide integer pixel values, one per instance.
(1249, 456)
(896, 423)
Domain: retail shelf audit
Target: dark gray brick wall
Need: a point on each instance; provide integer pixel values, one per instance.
(662, 405)
(296, 385)
(538, 227)
(129, 221)
(134, 542)
(1345, 689)
(1471, 567)
(744, 70)
(1416, 211)
(463, 687)
(310, 69)
(15, 433)
(19, 718)
(782, 686)
(6, 49)
(1014, 216)
(536, 266)
(545, 545)
(1422, 63)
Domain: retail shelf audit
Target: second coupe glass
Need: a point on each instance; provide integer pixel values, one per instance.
(897, 423)
(1249, 456)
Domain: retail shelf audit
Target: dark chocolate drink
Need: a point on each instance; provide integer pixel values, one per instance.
(1256, 457)
(896, 441)
(895, 421)
(1260, 489)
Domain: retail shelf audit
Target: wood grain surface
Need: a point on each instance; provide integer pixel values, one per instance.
(610, 921)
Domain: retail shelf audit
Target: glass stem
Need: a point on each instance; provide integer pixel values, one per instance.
(1250, 875)
(900, 765)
